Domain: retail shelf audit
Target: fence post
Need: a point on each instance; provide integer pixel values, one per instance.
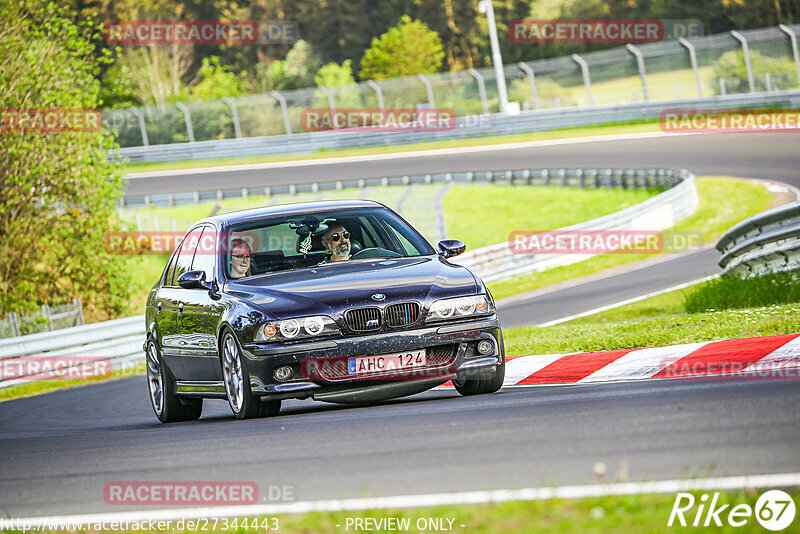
(722, 87)
(378, 93)
(14, 324)
(46, 315)
(768, 82)
(138, 114)
(793, 39)
(746, 51)
(587, 81)
(640, 63)
(481, 89)
(187, 118)
(284, 110)
(79, 320)
(429, 88)
(331, 105)
(235, 114)
(693, 60)
(532, 80)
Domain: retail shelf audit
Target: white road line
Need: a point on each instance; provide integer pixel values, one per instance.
(402, 155)
(628, 301)
(781, 480)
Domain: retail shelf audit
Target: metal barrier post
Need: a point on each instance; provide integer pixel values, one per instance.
(481, 89)
(138, 114)
(429, 88)
(793, 39)
(14, 324)
(282, 101)
(693, 59)
(640, 62)
(46, 315)
(587, 82)
(235, 113)
(532, 80)
(187, 117)
(331, 105)
(746, 51)
(378, 93)
(78, 311)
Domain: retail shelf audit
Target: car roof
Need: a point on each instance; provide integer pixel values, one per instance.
(299, 208)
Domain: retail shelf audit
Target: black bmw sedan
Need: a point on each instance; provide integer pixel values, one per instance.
(336, 301)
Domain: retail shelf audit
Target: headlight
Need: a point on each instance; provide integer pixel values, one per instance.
(300, 328)
(460, 307)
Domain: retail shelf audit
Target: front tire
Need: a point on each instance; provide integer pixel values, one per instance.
(166, 405)
(243, 403)
(488, 384)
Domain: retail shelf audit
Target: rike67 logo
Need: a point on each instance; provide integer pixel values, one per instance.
(774, 510)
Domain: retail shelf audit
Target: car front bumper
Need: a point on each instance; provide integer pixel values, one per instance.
(320, 369)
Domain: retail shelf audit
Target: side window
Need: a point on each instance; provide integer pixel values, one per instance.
(185, 255)
(171, 269)
(206, 252)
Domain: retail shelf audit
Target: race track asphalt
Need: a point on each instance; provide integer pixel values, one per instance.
(752, 155)
(59, 450)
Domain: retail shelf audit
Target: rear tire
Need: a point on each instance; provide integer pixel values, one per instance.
(167, 406)
(485, 384)
(243, 403)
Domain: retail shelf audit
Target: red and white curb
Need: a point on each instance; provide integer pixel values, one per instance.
(748, 358)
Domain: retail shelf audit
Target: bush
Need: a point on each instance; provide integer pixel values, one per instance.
(57, 189)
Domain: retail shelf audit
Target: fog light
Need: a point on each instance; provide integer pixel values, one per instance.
(284, 372)
(485, 347)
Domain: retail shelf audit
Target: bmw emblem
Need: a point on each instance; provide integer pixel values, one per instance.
(379, 297)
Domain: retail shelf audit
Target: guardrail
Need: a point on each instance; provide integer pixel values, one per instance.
(466, 127)
(588, 179)
(119, 340)
(768, 242)
(657, 213)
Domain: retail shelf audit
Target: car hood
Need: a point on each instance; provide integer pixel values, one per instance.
(330, 289)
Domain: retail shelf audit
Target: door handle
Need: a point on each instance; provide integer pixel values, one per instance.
(158, 307)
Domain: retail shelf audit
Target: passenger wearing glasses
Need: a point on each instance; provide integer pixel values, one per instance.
(336, 241)
(241, 257)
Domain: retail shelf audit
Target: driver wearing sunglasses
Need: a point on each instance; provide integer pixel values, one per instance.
(337, 242)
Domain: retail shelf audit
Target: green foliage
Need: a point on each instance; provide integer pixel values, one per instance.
(731, 67)
(339, 77)
(295, 72)
(405, 50)
(733, 291)
(57, 189)
(216, 81)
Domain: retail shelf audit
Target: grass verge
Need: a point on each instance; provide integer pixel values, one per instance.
(607, 129)
(735, 292)
(724, 201)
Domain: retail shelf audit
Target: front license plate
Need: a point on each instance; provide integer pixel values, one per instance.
(366, 365)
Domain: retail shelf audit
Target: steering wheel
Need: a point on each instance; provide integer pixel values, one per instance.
(375, 252)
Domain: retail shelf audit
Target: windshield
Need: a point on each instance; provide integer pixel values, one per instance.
(278, 244)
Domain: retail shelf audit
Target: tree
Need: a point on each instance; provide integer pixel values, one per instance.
(339, 77)
(57, 189)
(215, 81)
(406, 49)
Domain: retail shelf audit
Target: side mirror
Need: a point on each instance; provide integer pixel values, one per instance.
(193, 280)
(451, 247)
